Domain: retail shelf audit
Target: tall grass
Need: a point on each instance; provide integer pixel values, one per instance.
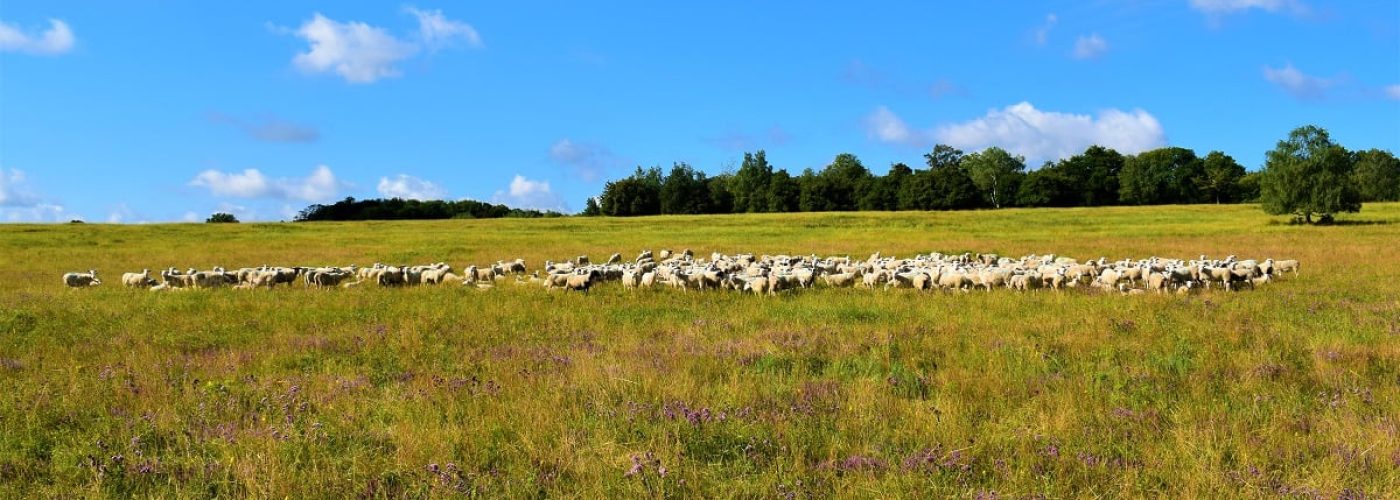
(1292, 389)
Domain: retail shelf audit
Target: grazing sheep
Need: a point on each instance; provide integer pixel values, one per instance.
(841, 280)
(1283, 266)
(79, 280)
(138, 280)
(580, 282)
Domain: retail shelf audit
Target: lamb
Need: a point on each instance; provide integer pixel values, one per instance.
(1158, 282)
(79, 280)
(615, 259)
(138, 280)
(759, 285)
(1019, 282)
(841, 280)
(1283, 266)
(580, 282)
(174, 279)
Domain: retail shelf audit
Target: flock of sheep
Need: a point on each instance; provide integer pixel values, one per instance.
(765, 274)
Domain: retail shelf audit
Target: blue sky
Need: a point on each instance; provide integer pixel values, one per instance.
(169, 111)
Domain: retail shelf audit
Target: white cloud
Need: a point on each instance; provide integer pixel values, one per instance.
(58, 39)
(437, 31)
(589, 161)
(885, 126)
(19, 202)
(1090, 47)
(1392, 92)
(526, 193)
(14, 191)
(356, 51)
(1042, 34)
(362, 53)
(1298, 84)
(122, 213)
(1042, 135)
(1024, 130)
(1219, 7)
(410, 188)
(190, 217)
(42, 212)
(321, 185)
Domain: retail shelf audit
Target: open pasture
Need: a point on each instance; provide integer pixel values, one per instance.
(1293, 388)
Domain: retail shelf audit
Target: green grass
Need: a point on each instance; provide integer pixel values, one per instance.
(1294, 388)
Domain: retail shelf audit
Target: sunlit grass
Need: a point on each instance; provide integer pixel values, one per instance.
(516, 391)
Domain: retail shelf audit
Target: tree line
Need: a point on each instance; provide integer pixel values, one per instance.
(992, 178)
(401, 209)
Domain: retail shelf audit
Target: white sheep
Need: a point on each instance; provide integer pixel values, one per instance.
(79, 280)
(138, 280)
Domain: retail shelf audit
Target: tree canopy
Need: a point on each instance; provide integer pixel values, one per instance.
(1307, 174)
(994, 178)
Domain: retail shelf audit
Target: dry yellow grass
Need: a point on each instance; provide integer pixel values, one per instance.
(1292, 389)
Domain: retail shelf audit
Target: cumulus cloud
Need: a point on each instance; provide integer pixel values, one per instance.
(1041, 35)
(321, 185)
(437, 31)
(588, 161)
(14, 191)
(526, 193)
(410, 188)
(356, 51)
(362, 53)
(1220, 7)
(58, 39)
(885, 126)
(122, 213)
(269, 128)
(1025, 130)
(20, 202)
(1022, 129)
(1090, 47)
(1297, 83)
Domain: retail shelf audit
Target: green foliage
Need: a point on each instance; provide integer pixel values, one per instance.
(1220, 179)
(221, 218)
(591, 208)
(996, 173)
(989, 178)
(400, 209)
(639, 194)
(1161, 176)
(1377, 175)
(1045, 187)
(1308, 174)
(684, 191)
(1249, 187)
(750, 184)
(784, 194)
(1093, 175)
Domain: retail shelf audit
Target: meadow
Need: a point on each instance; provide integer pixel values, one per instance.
(1291, 389)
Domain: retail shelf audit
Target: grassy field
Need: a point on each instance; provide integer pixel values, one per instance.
(1293, 388)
